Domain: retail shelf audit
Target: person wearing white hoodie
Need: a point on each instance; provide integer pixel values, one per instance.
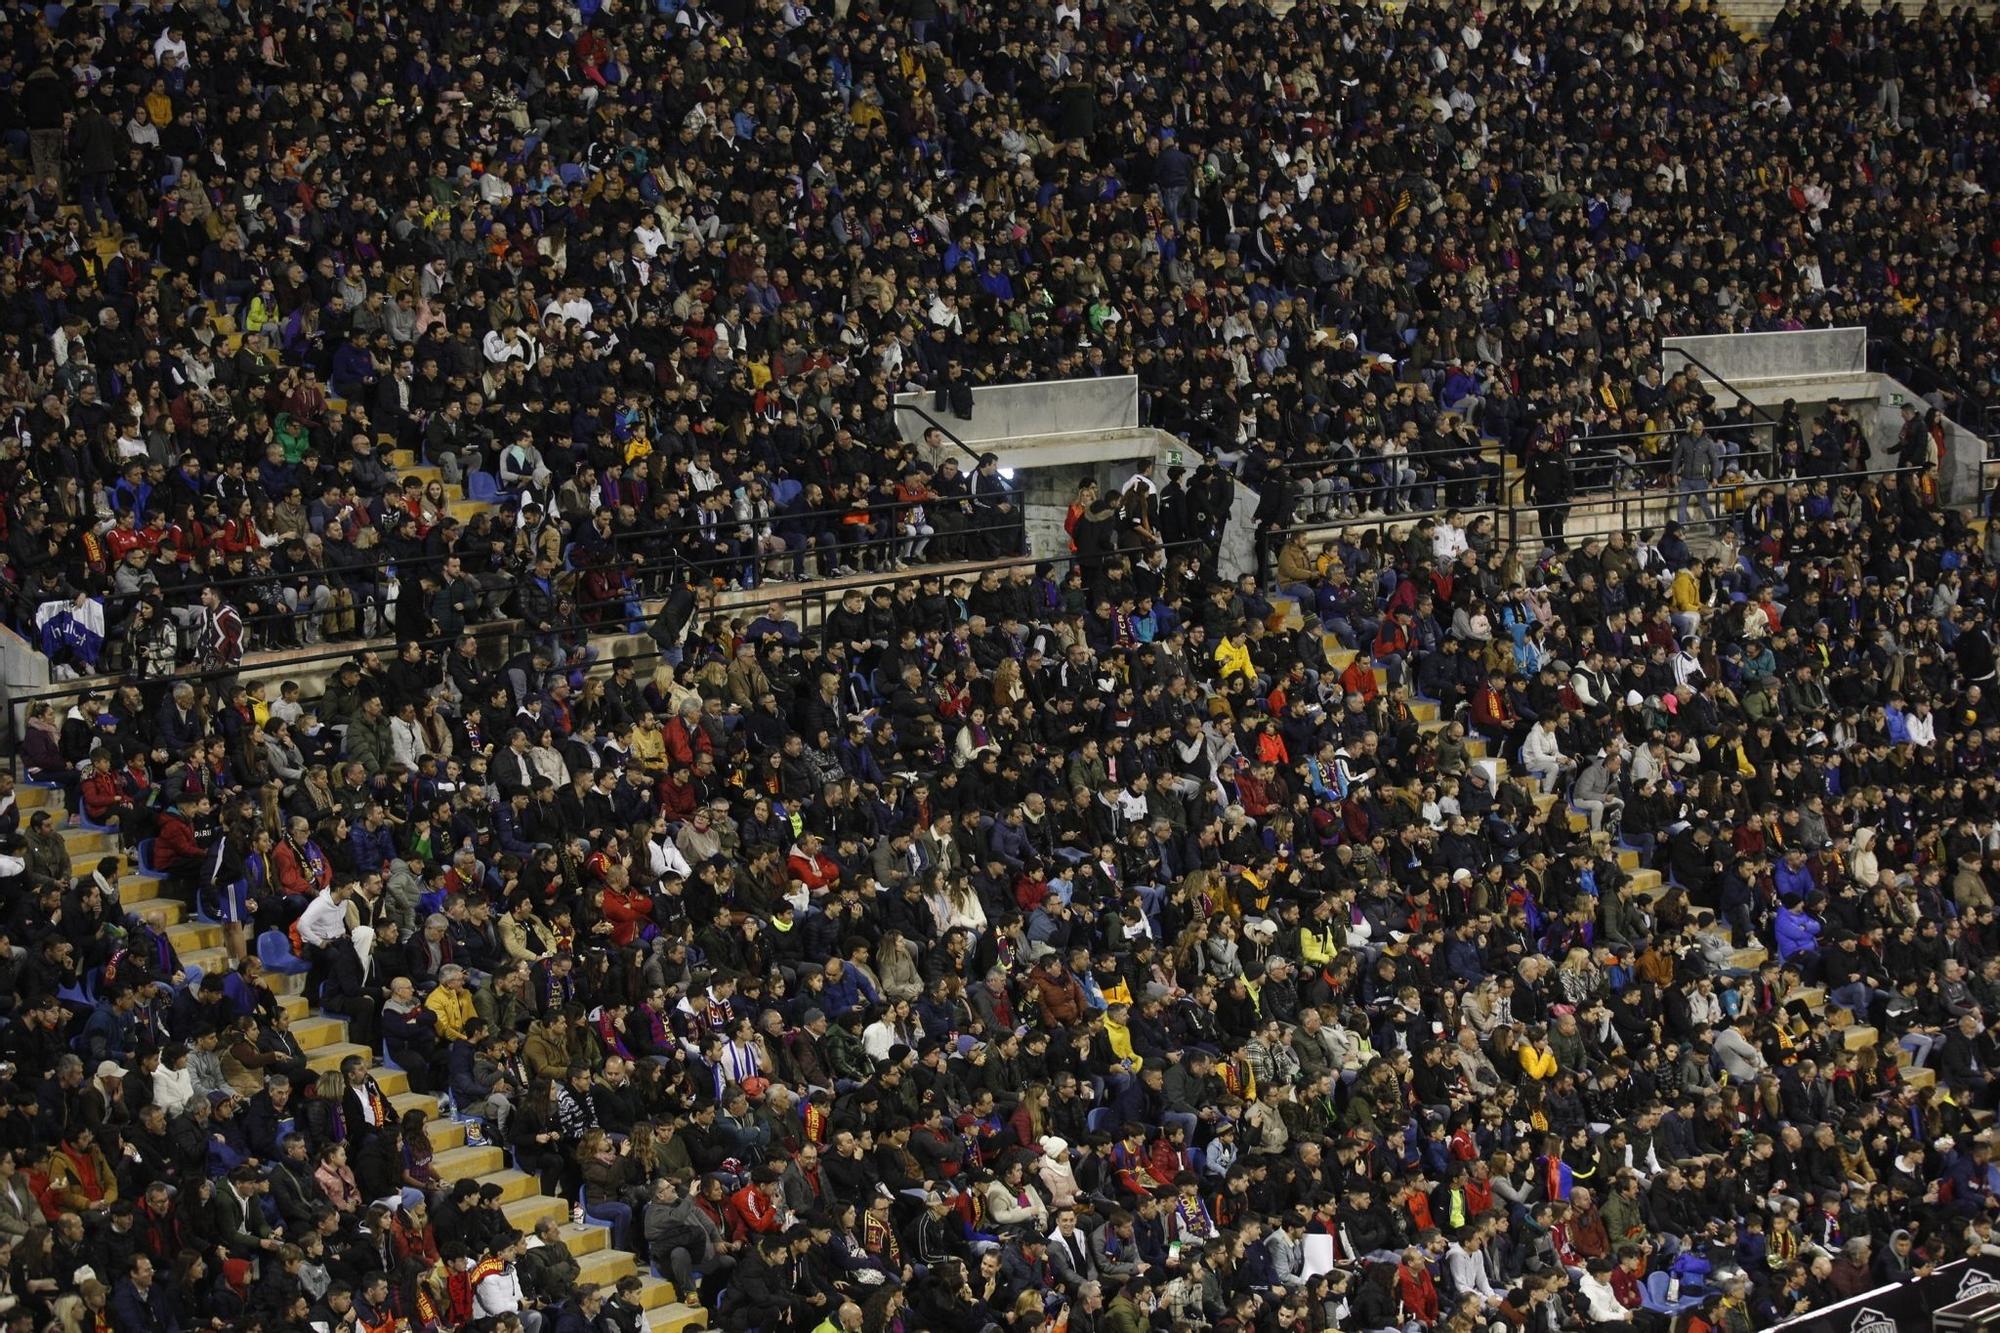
(1600, 1301)
(1862, 864)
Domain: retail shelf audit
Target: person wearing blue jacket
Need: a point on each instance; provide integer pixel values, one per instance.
(139, 1304)
(847, 989)
(1798, 931)
(371, 841)
(1792, 877)
(509, 825)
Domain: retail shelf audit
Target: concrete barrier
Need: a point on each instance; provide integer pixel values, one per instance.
(1751, 358)
(1015, 411)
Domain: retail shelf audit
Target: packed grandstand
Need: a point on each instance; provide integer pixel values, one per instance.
(557, 794)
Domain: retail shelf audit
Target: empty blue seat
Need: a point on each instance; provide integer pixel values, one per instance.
(274, 951)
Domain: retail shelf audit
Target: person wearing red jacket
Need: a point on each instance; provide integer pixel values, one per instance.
(177, 848)
(685, 738)
(302, 868)
(628, 912)
(124, 538)
(1417, 1287)
(755, 1206)
(1392, 646)
(106, 800)
(808, 867)
(1359, 678)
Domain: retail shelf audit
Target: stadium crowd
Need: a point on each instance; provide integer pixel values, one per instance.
(1072, 946)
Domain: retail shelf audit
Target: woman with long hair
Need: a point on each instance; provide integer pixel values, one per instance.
(537, 1137)
(420, 1179)
(885, 1312)
(199, 1295)
(1030, 1121)
(607, 1170)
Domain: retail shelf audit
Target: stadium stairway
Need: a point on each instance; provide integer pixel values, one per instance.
(324, 1039)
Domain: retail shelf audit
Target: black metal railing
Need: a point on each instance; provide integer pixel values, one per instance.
(1743, 401)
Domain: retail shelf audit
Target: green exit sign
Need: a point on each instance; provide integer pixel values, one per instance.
(1173, 458)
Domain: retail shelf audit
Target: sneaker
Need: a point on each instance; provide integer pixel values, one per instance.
(576, 1215)
(475, 1136)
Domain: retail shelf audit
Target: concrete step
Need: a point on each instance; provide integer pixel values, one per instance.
(676, 1318)
(526, 1210)
(169, 910)
(319, 1032)
(212, 959)
(470, 1162)
(328, 1058)
(445, 1134)
(514, 1185)
(34, 798)
(1858, 1036)
(1916, 1076)
(85, 842)
(586, 1239)
(194, 936)
(135, 889)
(605, 1266)
(1751, 958)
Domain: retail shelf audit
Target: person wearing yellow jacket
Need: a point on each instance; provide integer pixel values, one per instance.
(1684, 601)
(451, 1002)
(1232, 658)
(1538, 1062)
(1118, 1035)
(1319, 938)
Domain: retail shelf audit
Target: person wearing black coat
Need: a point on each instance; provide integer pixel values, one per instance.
(1967, 1062)
(293, 1190)
(1549, 485)
(759, 1294)
(97, 146)
(537, 1138)
(353, 988)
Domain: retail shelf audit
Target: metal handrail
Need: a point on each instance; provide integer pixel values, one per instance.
(808, 597)
(1489, 441)
(1703, 495)
(510, 625)
(422, 561)
(1275, 538)
(1893, 358)
(1742, 399)
(943, 429)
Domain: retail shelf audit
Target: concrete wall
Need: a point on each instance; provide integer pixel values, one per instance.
(1959, 482)
(1045, 497)
(1965, 465)
(1013, 411)
(26, 672)
(1743, 358)
(1238, 555)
